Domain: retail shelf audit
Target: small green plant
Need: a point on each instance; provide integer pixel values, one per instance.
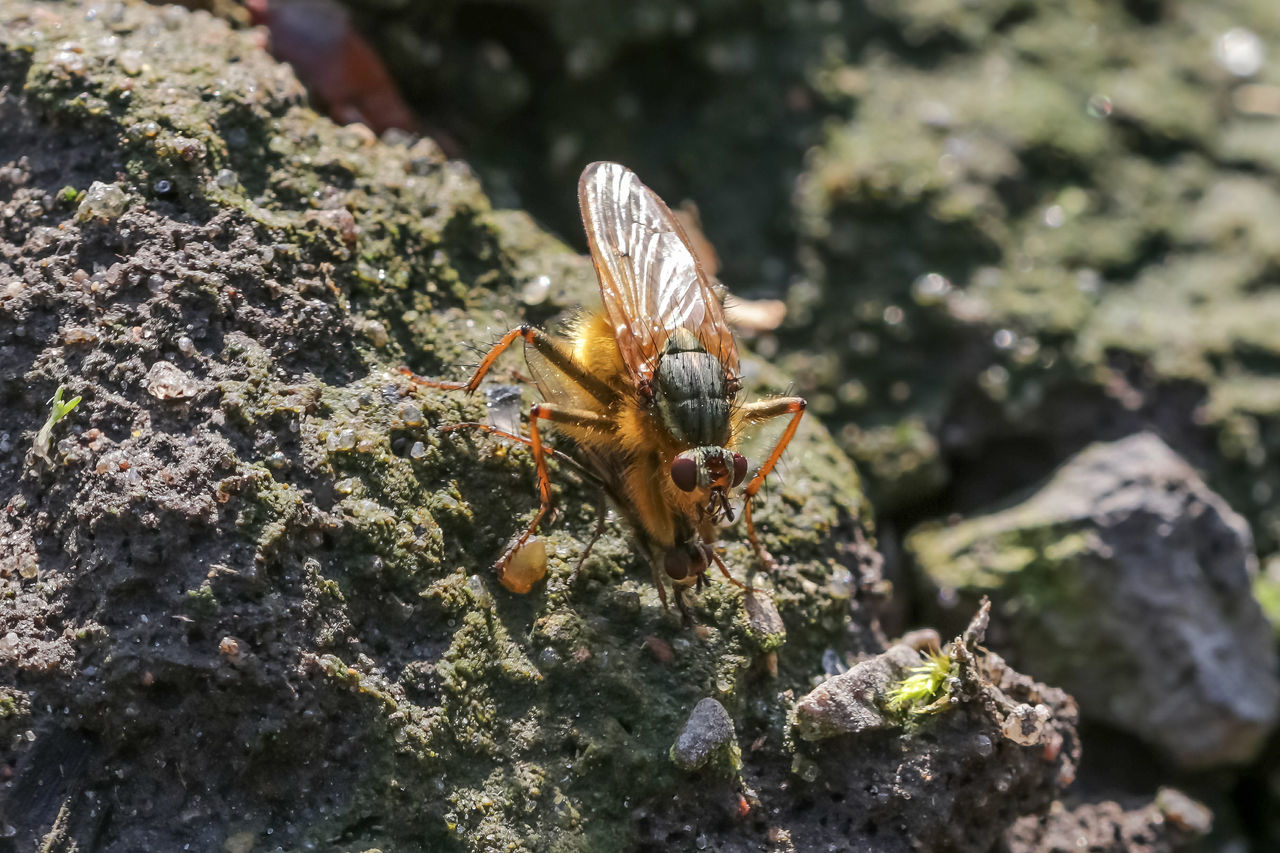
(59, 410)
(923, 691)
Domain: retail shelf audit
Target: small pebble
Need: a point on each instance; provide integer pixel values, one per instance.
(708, 730)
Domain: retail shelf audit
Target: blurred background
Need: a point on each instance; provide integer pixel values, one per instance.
(1003, 231)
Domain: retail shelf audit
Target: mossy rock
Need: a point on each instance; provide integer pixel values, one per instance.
(253, 590)
(1114, 579)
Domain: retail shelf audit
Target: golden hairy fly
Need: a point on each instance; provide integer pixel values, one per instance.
(646, 387)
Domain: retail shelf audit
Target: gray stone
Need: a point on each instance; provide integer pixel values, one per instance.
(855, 701)
(1127, 581)
(708, 731)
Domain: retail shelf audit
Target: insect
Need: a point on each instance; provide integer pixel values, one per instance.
(647, 388)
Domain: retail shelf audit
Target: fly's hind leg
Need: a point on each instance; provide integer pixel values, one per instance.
(757, 412)
(602, 512)
(554, 414)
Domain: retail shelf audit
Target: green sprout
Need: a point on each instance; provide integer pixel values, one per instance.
(923, 691)
(58, 411)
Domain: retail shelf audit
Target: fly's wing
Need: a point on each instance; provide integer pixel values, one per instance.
(650, 281)
(552, 384)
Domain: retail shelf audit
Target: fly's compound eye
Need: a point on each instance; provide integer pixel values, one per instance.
(739, 468)
(684, 473)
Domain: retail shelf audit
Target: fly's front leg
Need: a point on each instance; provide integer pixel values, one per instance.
(757, 412)
(554, 414)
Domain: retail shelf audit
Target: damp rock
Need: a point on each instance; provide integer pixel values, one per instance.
(708, 734)
(857, 700)
(1126, 580)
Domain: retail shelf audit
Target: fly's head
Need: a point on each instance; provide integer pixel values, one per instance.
(708, 473)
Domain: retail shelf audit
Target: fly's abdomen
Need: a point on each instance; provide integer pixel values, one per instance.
(693, 397)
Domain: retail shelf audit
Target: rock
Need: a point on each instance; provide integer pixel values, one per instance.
(877, 775)
(1171, 822)
(256, 535)
(855, 701)
(1127, 581)
(167, 381)
(708, 732)
(764, 623)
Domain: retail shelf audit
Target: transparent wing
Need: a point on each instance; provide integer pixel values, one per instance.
(650, 281)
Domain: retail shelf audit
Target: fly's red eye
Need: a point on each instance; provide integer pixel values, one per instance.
(684, 473)
(739, 468)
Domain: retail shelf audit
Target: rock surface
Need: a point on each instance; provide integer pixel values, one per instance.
(855, 701)
(249, 602)
(866, 752)
(1172, 822)
(1125, 579)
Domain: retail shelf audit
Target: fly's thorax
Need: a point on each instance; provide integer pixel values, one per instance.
(691, 392)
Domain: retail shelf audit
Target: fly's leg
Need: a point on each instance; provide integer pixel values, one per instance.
(554, 414)
(724, 570)
(757, 412)
(602, 510)
(545, 346)
(522, 439)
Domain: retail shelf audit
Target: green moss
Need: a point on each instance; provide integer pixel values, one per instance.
(923, 691)
(1266, 590)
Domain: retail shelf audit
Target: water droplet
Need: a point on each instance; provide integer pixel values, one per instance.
(1098, 106)
(1240, 52)
(535, 292)
(342, 440)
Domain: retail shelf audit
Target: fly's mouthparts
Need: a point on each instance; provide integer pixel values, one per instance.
(718, 505)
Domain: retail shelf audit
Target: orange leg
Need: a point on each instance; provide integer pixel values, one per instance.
(546, 346)
(564, 458)
(755, 413)
(541, 411)
(724, 570)
(602, 508)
